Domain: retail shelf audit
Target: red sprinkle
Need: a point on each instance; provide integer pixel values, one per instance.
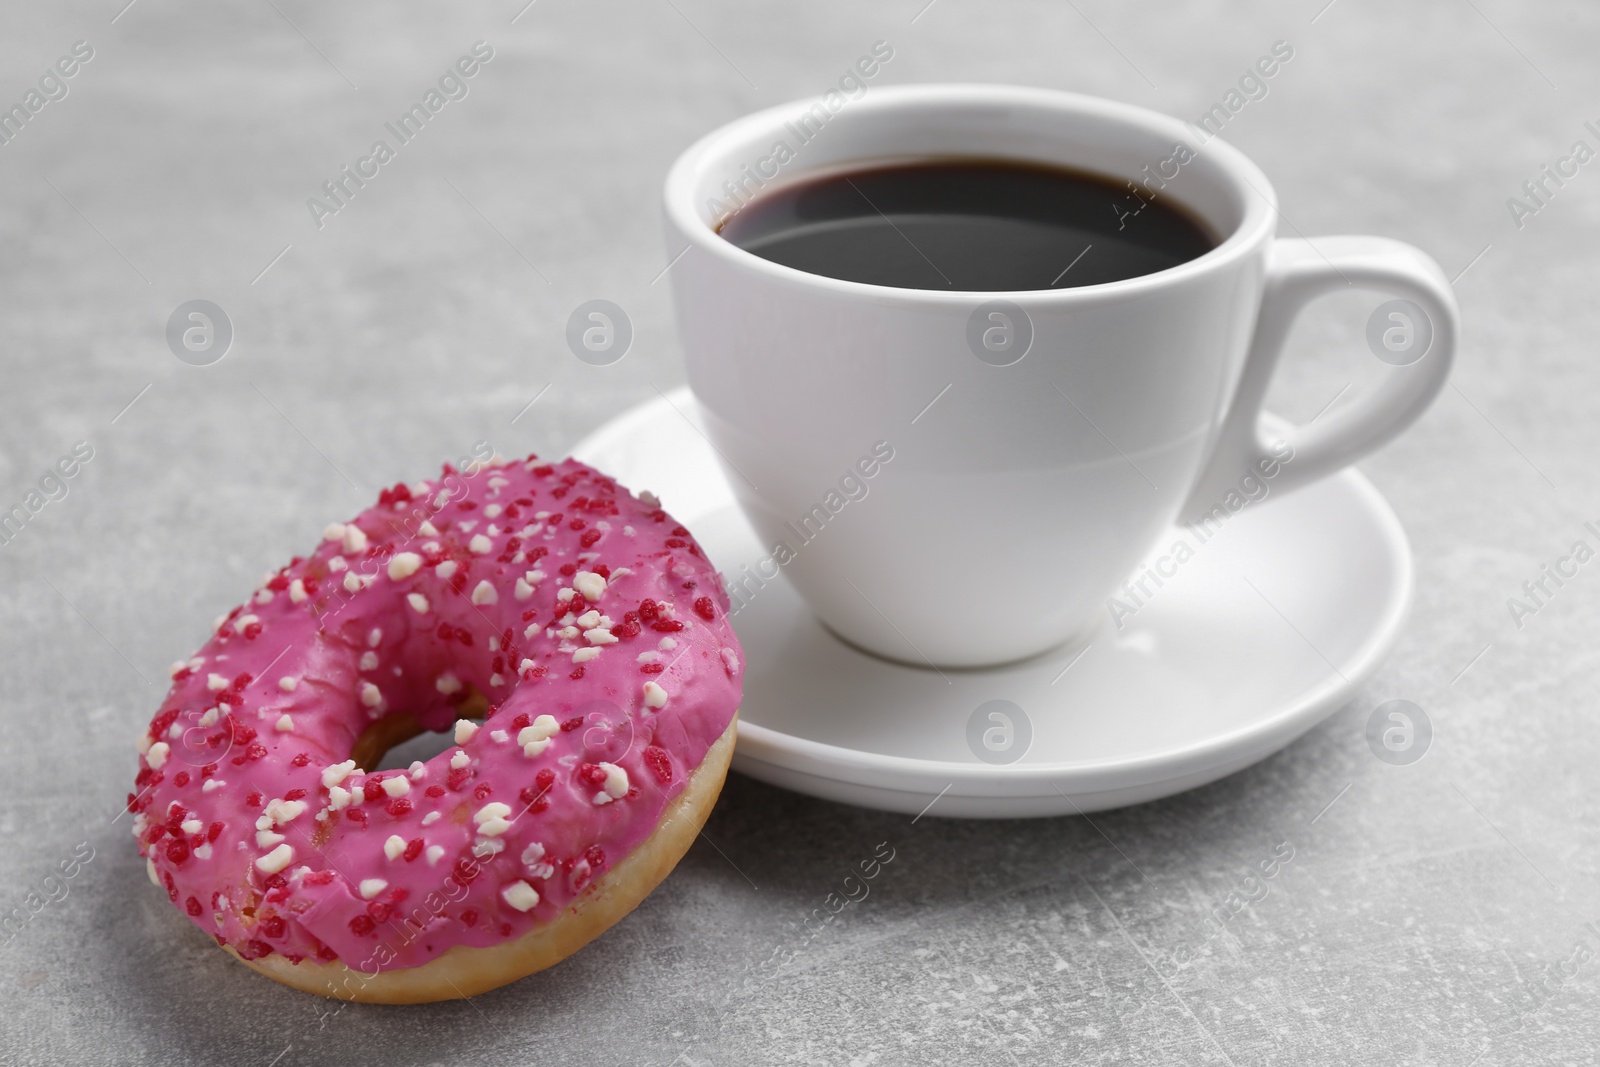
(659, 762)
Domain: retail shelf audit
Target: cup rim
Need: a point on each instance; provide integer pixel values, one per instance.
(1256, 225)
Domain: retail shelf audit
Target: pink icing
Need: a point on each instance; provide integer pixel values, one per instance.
(387, 870)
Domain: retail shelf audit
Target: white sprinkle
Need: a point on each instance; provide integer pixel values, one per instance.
(212, 784)
(445, 569)
(352, 582)
(499, 737)
(495, 679)
(492, 810)
(370, 695)
(404, 565)
(418, 602)
(526, 665)
(600, 636)
(355, 539)
(649, 499)
(493, 827)
(667, 644)
(590, 584)
(288, 684)
(431, 818)
(465, 728)
(216, 683)
(332, 776)
(417, 771)
(484, 847)
(210, 717)
(584, 655)
(297, 592)
(276, 860)
(629, 531)
(654, 696)
(285, 724)
(394, 846)
(647, 656)
(730, 661)
(338, 797)
(522, 590)
(434, 854)
(484, 594)
(369, 660)
(520, 895)
(480, 545)
(535, 748)
(371, 887)
(532, 854)
(157, 755)
(616, 785)
(589, 618)
(278, 812)
(203, 851)
(563, 595)
(542, 727)
(567, 633)
(191, 826)
(337, 564)
(375, 638)
(334, 531)
(263, 596)
(397, 787)
(459, 760)
(448, 684)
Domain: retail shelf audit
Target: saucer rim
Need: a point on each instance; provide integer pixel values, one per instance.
(1236, 748)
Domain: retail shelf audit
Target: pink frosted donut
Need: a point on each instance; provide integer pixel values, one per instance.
(581, 624)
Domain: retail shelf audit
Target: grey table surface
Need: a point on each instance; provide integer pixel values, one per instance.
(1435, 913)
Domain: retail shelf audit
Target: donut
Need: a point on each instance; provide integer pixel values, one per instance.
(572, 639)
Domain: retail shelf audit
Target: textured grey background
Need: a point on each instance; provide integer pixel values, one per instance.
(1426, 915)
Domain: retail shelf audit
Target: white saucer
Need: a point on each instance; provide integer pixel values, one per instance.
(1266, 631)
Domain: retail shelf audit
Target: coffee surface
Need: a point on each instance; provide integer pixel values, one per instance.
(969, 225)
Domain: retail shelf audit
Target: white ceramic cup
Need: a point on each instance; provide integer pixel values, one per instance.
(1030, 489)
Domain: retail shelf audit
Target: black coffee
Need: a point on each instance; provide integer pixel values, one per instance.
(975, 225)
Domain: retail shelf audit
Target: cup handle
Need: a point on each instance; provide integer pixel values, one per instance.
(1298, 271)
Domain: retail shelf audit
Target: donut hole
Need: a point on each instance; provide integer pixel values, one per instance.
(398, 740)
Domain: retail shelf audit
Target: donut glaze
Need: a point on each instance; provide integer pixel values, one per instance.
(583, 622)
